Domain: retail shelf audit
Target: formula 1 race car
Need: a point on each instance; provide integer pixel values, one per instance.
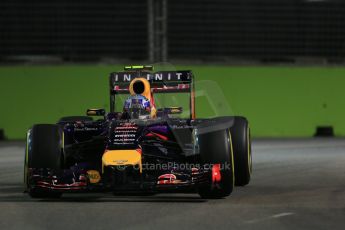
(138, 147)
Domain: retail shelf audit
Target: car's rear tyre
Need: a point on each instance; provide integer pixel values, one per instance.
(74, 119)
(216, 148)
(43, 150)
(242, 151)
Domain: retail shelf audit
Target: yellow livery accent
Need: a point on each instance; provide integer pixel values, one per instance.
(93, 176)
(91, 112)
(147, 87)
(121, 158)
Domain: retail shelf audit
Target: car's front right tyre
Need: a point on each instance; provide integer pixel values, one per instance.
(43, 151)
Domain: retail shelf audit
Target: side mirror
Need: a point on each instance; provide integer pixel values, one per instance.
(172, 110)
(95, 112)
(175, 110)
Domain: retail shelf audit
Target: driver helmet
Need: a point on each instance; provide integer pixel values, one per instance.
(137, 107)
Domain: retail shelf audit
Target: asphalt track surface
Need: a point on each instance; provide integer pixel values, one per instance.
(297, 184)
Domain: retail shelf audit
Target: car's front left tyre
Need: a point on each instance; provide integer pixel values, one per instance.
(217, 155)
(242, 150)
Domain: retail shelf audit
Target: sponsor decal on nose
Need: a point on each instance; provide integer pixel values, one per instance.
(94, 176)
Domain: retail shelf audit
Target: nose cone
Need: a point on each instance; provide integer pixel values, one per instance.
(121, 158)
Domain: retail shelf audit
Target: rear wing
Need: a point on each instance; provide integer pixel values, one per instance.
(160, 82)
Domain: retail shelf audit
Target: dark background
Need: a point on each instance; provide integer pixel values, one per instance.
(205, 30)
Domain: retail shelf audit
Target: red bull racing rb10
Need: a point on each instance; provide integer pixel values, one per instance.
(142, 147)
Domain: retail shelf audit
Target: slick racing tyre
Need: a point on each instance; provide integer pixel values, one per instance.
(215, 150)
(43, 150)
(74, 119)
(240, 134)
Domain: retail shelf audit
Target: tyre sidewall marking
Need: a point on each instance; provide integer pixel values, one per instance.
(26, 160)
(232, 158)
(249, 151)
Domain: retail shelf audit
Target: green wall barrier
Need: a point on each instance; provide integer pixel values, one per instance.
(278, 101)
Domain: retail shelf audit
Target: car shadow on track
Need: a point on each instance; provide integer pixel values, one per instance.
(130, 199)
(11, 192)
(85, 199)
